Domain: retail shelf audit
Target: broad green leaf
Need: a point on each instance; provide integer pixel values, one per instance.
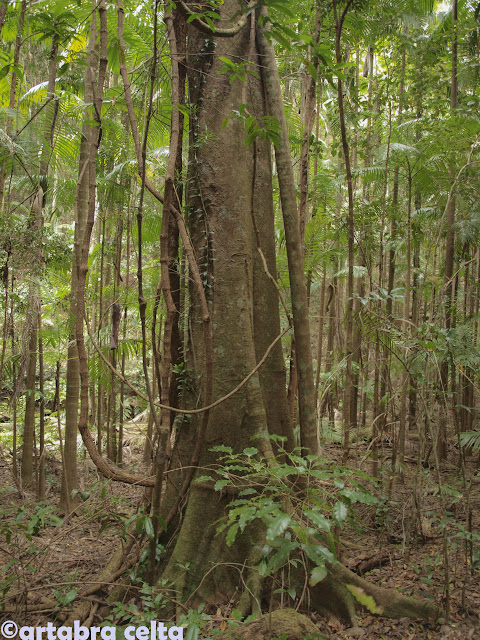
(148, 528)
(318, 574)
(222, 448)
(278, 526)
(318, 520)
(340, 512)
(220, 484)
(280, 557)
(193, 632)
(318, 554)
(247, 492)
(232, 534)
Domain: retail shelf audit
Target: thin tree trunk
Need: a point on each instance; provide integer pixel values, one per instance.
(321, 324)
(81, 208)
(399, 448)
(124, 337)
(29, 422)
(101, 390)
(12, 336)
(301, 321)
(3, 13)
(6, 319)
(339, 20)
(449, 249)
(41, 439)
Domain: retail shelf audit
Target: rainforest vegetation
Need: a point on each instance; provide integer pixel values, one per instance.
(239, 316)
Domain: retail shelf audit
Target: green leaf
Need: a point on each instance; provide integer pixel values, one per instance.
(18, 71)
(340, 512)
(222, 448)
(318, 574)
(278, 526)
(318, 554)
(281, 557)
(318, 520)
(193, 632)
(204, 479)
(4, 71)
(162, 523)
(470, 439)
(232, 534)
(220, 484)
(148, 528)
(247, 492)
(247, 514)
(229, 63)
(251, 451)
(70, 596)
(210, 23)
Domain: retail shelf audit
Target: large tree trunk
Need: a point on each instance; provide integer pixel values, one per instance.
(230, 214)
(231, 209)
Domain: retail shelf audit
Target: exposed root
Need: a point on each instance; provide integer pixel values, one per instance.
(342, 589)
(251, 598)
(82, 610)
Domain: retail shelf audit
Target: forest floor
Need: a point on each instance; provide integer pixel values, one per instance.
(404, 546)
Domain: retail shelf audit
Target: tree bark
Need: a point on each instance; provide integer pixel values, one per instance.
(301, 321)
(81, 206)
(347, 408)
(226, 206)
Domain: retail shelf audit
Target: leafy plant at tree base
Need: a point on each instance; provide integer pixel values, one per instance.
(302, 501)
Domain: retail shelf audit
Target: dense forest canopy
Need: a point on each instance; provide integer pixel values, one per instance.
(240, 288)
